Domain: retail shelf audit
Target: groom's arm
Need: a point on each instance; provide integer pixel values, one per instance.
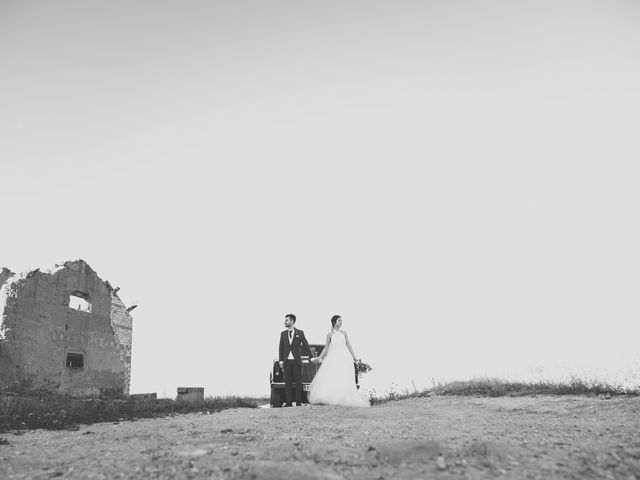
(305, 344)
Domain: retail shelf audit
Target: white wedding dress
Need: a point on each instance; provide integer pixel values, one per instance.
(334, 383)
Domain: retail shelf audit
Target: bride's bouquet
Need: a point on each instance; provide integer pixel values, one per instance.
(362, 368)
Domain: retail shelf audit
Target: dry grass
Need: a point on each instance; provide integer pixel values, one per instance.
(55, 412)
(492, 387)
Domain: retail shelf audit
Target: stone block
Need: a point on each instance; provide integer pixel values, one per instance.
(191, 394)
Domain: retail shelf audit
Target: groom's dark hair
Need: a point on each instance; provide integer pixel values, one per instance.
(291, 317)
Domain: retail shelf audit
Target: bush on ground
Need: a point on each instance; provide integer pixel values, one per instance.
(20, 411)
(493, 387)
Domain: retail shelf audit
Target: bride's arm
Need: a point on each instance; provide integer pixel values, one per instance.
(355, 359)
(326, 347)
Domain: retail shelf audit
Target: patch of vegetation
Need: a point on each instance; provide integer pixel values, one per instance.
(57, 412)
(493, 387)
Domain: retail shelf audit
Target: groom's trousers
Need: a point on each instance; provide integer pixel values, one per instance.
(292, 373)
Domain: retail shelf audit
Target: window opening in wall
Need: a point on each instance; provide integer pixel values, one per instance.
(79, 303)
(75, 360)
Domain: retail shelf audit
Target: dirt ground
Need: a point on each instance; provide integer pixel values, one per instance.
(436, 437)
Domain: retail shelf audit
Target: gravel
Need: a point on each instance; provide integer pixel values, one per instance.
(434, 437)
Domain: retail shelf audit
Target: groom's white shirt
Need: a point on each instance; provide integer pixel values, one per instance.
(290, 337)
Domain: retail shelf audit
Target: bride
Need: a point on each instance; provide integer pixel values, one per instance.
(334, 384)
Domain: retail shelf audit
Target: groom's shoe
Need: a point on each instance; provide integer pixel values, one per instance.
(298, 404)
(287, 405)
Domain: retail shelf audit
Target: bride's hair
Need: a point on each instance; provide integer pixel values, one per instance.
(334, 319)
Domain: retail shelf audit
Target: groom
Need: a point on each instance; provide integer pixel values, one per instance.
(291, 342)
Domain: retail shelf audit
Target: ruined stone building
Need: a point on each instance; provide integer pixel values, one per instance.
(64, 330)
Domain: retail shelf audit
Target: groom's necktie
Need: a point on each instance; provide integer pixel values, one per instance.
(290, 336)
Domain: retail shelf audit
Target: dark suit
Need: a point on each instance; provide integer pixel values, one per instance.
(293, 368)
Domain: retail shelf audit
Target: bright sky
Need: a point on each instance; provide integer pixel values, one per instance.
(458, 180)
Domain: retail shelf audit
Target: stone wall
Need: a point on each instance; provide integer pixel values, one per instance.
(122, 326)
(5, 274)
(41, 330)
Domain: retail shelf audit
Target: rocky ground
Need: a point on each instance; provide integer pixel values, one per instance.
(437, 437)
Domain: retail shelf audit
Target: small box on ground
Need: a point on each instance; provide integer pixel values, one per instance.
(190, 393)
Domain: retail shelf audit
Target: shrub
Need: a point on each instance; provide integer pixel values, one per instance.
(494, 387)
(55, 412)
